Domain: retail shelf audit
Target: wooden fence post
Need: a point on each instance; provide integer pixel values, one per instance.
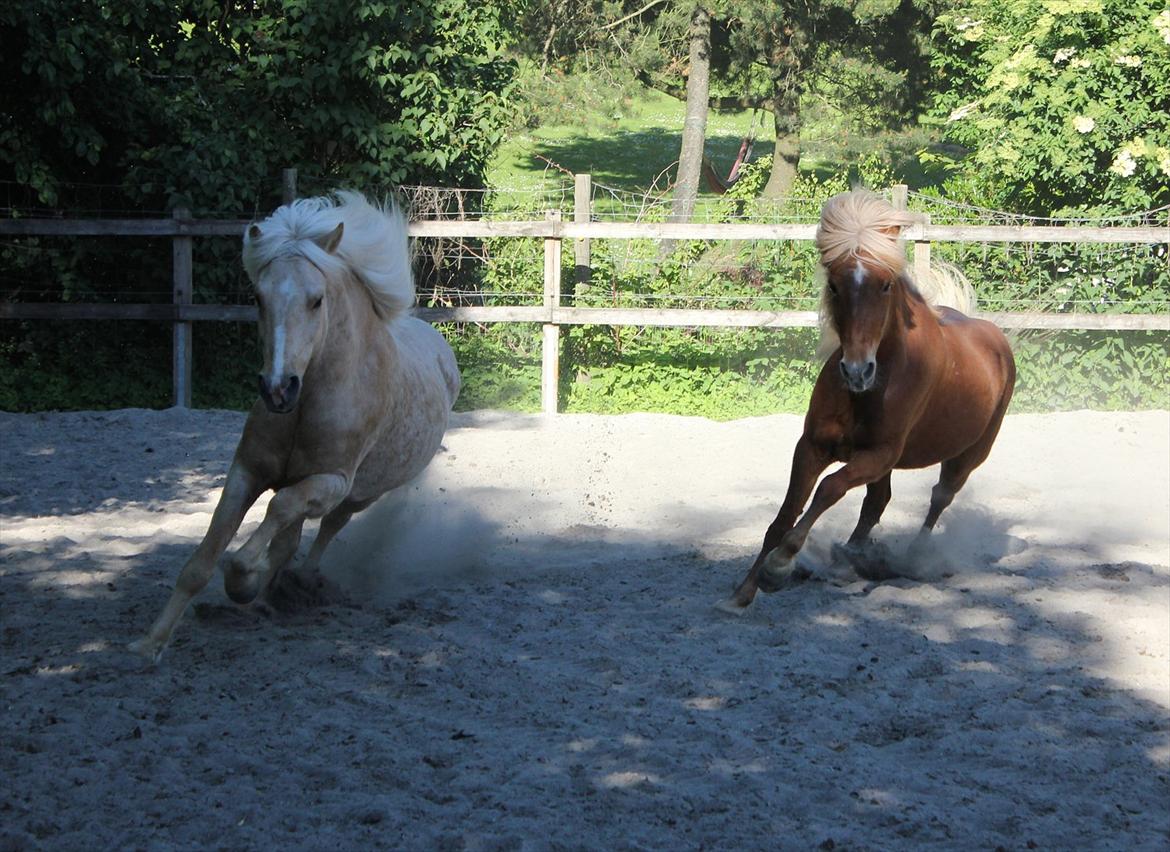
(900, 195)
(182, 270)
(899, 192)
(582, 212)
(550, 367)
(922, 255)
(288, 186)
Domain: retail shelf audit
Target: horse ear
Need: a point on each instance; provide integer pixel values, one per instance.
(253, 232)
(331, 240)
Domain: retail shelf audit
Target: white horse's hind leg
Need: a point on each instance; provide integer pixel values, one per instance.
(281, 551)
(305, 586)
(250, 567)
(239, 493)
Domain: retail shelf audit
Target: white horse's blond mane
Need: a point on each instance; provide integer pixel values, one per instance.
(861, 225)
(373, 245)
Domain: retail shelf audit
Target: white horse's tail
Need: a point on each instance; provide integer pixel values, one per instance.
(944, 286)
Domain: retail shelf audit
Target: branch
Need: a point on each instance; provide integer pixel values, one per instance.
(621, 21)
(715, 102)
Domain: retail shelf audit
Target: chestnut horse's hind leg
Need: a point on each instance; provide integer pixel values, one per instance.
(877, 497)
(239, 493)
(869, 560)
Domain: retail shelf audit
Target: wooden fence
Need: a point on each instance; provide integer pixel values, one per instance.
(552, 314)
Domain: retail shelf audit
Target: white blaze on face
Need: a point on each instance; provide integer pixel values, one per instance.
(283, 293)
(858, 277)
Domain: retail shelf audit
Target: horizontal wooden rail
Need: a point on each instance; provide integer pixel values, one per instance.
(551, 315)
(479, 228)
(658, 317)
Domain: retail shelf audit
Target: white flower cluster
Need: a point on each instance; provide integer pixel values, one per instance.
(1063, 55)
(1161, 23)
(1163, 157)
(971, 29)
(1083, 124)
(1123, 163)
(1129, 61)
(963, 111)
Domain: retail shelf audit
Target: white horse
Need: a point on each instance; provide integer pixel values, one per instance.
(355, 394)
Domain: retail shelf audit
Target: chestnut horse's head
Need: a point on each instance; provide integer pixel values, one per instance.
(864, 264)
(860, 302)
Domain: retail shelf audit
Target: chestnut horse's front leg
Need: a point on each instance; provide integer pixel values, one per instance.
(239, 493)
(808, 461)
(863, 468)
(250, 569)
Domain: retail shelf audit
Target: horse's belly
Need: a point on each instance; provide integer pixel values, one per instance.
(957, 417)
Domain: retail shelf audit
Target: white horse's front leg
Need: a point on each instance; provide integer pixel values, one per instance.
(249, 570)
(239, 493)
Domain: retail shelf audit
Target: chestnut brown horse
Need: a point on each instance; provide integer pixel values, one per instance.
(909, 384)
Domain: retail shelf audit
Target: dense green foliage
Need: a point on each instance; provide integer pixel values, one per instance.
(201, 103)
(1065, 104)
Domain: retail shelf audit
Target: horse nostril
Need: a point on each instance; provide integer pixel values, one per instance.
(870, 369)
(294, 383)
(844, 370)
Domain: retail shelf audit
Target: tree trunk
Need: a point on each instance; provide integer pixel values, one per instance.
(786, 157)
(690, 159)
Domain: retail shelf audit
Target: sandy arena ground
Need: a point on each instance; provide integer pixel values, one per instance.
(534, 660)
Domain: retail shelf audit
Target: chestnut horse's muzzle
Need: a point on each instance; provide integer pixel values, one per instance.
(859, 377)
(282, 398)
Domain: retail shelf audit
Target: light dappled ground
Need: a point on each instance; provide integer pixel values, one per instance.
(534, 660)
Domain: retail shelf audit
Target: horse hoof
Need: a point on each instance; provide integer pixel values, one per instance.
(870, 561)
(147, 647)
(733, 607)
(779, 573)
(241, 583)
(290, 592)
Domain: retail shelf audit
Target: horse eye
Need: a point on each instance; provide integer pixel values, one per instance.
(886, 287)
(833, 288)
(318, 301)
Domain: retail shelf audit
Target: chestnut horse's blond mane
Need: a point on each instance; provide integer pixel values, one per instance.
(861, 225)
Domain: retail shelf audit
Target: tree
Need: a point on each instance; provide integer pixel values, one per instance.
(866, 55)
(1063, 103)
(690, 161)
(200, 102)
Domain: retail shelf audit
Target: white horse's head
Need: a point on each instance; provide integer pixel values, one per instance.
(294, 314)
(299, 262)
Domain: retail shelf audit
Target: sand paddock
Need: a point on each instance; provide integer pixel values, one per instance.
(531, 658)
